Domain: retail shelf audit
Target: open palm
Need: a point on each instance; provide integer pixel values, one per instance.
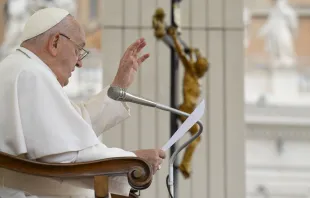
(129, 64)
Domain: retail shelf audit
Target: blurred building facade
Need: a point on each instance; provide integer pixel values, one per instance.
(277, 106)
(89, 15)
(272, 84)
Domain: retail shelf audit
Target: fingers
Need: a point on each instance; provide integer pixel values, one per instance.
(133, 48)
(157, 165)
(162, 154)
(159, 161)
(160, 158)
(139, 47)
(154, 156)
(135, 44)
(155, 169)
(143, 58)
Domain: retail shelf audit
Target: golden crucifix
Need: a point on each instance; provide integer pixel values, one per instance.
(195, 68)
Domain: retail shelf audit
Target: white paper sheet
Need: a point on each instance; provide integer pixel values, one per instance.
(189, 122)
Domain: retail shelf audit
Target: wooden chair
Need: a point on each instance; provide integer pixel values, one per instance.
(138, 171)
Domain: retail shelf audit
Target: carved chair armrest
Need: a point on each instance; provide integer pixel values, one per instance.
(138, 171)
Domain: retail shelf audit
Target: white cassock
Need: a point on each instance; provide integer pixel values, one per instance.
(38, 119)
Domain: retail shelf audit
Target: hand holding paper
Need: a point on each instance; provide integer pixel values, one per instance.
(189, 122)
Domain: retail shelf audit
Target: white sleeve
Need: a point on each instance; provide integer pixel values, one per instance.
(117, 185)
(103, 112)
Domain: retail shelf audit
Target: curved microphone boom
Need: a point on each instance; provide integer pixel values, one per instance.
(119, 94)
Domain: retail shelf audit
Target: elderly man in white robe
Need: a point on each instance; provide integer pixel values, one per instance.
(39, 122)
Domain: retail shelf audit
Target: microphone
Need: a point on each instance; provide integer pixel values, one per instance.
(120, 94)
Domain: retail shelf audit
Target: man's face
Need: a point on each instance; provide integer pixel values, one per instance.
(69, 53)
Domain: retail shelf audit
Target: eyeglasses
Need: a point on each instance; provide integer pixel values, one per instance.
(82, 52)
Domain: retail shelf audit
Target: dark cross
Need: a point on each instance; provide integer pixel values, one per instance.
(174, 73)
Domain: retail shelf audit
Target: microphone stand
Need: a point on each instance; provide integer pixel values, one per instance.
(126, 97)
(178, 150)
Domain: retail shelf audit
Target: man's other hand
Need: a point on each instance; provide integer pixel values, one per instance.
(153, 156)
(129, 64)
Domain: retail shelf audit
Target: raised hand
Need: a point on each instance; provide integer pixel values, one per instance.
(129, 64)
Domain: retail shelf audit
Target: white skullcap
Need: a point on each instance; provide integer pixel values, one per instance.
(41, 21)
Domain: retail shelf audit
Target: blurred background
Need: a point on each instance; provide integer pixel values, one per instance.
(256, 140)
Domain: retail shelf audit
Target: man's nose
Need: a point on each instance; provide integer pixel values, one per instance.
(79, 64)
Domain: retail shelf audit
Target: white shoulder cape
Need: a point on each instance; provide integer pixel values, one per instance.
(36, 116)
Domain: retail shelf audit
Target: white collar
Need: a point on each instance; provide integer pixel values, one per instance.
(32, 56)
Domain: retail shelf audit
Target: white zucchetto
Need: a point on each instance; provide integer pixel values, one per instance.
(41, 21)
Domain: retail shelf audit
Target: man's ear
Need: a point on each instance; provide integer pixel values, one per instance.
(53, 44)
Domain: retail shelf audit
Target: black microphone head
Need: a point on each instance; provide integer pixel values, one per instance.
(116, 93)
